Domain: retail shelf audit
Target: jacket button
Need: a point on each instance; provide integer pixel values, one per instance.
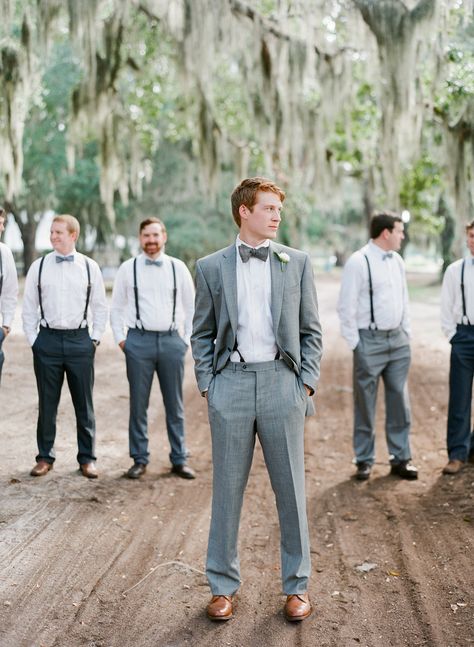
(244, 366)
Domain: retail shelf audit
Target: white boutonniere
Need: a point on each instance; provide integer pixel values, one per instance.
(283, 258)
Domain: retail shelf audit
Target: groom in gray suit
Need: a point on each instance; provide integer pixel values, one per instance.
(257, 347)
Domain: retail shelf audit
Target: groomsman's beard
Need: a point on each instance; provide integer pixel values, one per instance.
(152, 249)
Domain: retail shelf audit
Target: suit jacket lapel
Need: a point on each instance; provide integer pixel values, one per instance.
(278, 273)
(229, 284)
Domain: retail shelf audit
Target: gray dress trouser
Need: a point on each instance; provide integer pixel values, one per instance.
(163, 352)
(385, 354)
(244, 400)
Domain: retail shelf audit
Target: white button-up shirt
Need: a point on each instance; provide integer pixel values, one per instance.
(390, 294)
(63, 294)
(155, 297)
(9, 295)
(255, 336)
(451, 296)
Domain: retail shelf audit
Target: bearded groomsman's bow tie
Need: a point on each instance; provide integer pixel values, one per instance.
(148, 261)
(61, 259)
(387, 255)
(246, 252)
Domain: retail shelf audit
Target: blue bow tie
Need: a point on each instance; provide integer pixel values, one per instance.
(387, 255)
(61, 259)
(246, 252)
(148, 261)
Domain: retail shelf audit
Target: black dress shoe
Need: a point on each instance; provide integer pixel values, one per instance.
(137, 470)
(405, 470)
(363, 471)
(184, 471)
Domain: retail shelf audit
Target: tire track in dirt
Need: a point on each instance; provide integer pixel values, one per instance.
(86, 543)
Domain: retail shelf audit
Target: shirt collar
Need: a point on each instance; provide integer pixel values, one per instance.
(73, 253)
(160, 256)
(377, 250)
(239, 241)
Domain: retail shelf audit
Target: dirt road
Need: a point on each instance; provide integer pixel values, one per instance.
(117, 563)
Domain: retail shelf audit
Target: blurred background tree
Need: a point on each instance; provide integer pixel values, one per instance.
(118, 109)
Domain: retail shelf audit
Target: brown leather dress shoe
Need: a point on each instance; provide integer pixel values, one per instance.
(297, 607)
(220, 607)
(41, 468)
(89, 470)
(184, 471)
(453, 466)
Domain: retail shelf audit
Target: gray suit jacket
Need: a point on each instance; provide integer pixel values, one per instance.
(294, 312)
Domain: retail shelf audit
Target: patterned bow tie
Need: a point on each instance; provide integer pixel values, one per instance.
(246, 252)
(61, 259)
(387, 255)
(148, 261)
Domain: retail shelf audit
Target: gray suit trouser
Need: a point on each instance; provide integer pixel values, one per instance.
(385, 354)
(265, 399)
(148, 352)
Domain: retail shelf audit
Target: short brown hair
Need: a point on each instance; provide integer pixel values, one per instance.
(72, 223)
(151, 221)
(246, 193)
(469, 226)
(383, 220)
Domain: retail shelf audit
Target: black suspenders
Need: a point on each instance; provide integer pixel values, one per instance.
(371, 295)
(138, 321)
(88, 294)
(465, 319)
(373, 325)
(1, 273)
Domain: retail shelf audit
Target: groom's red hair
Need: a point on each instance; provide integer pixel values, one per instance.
(246, 193)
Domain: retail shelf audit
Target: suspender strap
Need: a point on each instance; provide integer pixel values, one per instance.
(40, 298)
(235, 349)
(465, 320)
(371, 295)
(138, 321)
(173, 322)
(88, 293)
(1, 273)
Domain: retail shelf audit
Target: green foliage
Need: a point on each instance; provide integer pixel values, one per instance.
(418, 194)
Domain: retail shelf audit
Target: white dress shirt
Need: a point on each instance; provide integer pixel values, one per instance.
(390, 294)
(255, 336)
(155, 297)
(9, 295)
(451, 296)
(63, 294)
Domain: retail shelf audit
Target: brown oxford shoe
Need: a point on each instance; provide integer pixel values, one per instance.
(89, 470)
(453, 466)
(220, 607)
(184, 471)
(41, 468)
(297, 607)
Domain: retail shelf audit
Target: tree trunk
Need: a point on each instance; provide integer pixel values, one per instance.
(27, 222)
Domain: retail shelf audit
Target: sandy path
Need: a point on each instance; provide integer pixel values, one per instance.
(71, 550)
